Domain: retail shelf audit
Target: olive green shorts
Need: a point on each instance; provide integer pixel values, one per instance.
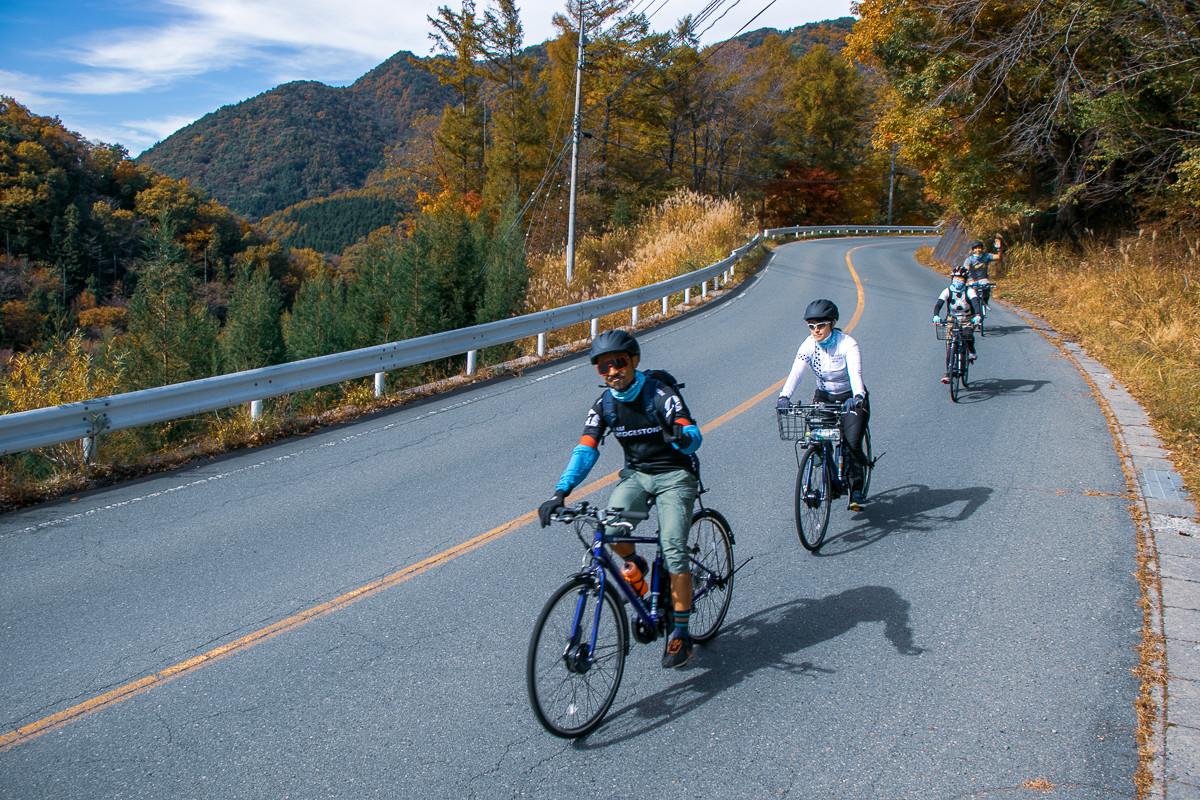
(674, 494)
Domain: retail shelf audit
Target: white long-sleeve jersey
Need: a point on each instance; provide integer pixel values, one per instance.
(838, 368)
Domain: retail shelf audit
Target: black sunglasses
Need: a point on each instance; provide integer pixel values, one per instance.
(619, 363)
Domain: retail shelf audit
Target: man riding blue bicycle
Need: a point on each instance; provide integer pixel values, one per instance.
(659, 438)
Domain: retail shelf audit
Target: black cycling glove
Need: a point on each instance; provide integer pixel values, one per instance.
(547, 509)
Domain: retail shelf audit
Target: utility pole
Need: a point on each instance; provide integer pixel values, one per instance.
(891, 183)
(575, 133)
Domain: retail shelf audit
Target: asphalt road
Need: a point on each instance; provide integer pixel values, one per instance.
(970, 631)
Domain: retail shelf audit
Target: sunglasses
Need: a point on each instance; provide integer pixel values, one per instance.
(619, 363)
(816, 326)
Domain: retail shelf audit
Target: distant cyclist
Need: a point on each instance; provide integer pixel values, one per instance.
(835, 360)
(659, 437)
(963, 304)
(976, 265)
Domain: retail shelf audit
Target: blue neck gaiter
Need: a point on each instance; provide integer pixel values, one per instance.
(631, 392)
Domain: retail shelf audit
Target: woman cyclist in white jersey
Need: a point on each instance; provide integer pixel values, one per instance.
(835, 361)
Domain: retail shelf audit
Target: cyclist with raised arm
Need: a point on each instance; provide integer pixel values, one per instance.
(835, 361)
(976, 265)
(961, 302)
(657, 433)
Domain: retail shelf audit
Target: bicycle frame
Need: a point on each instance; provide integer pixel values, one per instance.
(832, 452)
(598, 565)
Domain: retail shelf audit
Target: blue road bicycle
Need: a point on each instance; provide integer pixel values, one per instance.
(821, 464)
(582, 636)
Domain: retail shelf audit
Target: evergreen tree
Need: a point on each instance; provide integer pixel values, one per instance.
(507, 276)
(316, 324)
(445, 253)
(172, 337)
(379, 293)
(253, 337)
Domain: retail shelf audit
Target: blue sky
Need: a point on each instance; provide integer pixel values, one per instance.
(132, 73)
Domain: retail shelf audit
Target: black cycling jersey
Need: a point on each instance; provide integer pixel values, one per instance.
(641, 437)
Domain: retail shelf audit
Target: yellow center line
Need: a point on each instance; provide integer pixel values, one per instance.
(66, 716)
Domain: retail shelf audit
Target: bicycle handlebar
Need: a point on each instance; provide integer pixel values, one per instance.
(605, 516)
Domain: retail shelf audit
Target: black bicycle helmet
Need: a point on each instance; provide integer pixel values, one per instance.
(614, 341)
(959, 272)
(976, 244)
(820, 310)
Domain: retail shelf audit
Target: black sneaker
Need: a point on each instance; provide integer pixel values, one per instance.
(857, 501)
(679, 650)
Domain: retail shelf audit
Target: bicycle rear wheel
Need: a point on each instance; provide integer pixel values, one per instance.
(571, 684)
(814, 497)
(966, 368)
(710, 551)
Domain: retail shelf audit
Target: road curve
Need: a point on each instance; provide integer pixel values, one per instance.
(345, 614)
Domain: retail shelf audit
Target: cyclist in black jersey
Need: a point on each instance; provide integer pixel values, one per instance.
(659, 437)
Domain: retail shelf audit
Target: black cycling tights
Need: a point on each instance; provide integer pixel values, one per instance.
(854, 427)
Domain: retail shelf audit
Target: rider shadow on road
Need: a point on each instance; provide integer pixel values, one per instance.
(768, 639)
(1003, 330)
(983, 389)
(915, 507)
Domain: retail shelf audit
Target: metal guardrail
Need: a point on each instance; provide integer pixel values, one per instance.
(88, 419)
(851, 230)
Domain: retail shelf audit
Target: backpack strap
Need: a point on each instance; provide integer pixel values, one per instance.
(608, 408)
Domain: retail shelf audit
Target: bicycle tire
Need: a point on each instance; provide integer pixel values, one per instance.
(568, 699)
(710, 551)
(966, 369)
(955, 375)
(868, 466)
(814, 498)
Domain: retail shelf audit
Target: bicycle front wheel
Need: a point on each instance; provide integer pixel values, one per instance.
(869, 465)
(955, 373)
(814, 496)
(572, 683)
(710, 551)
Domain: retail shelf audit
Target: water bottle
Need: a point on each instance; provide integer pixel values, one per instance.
(633, 576)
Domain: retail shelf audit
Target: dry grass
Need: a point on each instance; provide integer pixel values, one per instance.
(1135, 307)
(686, 232)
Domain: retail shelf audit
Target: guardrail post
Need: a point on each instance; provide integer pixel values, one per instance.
(541, 347)
(704, 291)
(595, 328)
(379, 376)
(470, 362)
(89, 449)
(256, 409)
(664, 305)
(633, 315)
(687, 295)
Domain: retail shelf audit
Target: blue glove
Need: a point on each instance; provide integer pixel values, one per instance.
(977, 319)
(783, 402)
(853, 403)
(936, 319)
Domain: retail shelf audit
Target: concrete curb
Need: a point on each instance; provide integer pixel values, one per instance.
(1171, 540)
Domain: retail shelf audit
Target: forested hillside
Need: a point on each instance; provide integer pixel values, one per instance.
(299, 141)
(331, 224)
(305, 140)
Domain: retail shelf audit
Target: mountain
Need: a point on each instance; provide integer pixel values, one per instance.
(301, 140)
(305, 140)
